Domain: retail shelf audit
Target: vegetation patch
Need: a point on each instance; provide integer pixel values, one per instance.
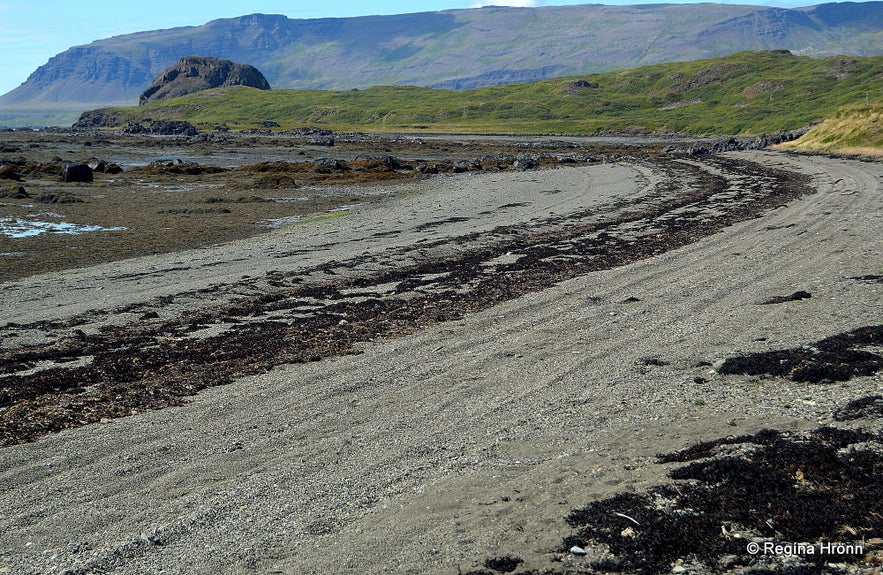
(856, 130)
(742, 93)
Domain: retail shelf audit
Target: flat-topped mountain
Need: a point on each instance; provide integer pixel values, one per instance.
(195, 73)
(450, 49)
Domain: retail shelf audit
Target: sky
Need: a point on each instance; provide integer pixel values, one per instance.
(32, 31)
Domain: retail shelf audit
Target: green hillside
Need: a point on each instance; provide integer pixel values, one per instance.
(852, 130)
(742, 93)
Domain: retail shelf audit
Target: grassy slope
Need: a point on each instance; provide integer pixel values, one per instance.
(743, 93)
(852, 130)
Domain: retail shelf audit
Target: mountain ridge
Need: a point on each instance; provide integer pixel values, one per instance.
(451, 49)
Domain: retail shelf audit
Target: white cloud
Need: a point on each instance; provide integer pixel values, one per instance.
(515, 3)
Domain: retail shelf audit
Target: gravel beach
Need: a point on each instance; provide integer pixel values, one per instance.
(466, 431)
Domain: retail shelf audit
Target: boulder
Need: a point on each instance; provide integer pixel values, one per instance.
(322, 140)
(101, 118)
(57, 198)
(14, 193)
(97, 165)
(523, 164)
(76, 173)
(9, 173)
(196, 73)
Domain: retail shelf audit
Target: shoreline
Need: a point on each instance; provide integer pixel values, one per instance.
(464, 439)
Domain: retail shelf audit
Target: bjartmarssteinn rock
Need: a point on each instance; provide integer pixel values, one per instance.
(197, 73)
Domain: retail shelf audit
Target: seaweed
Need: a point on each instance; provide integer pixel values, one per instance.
(835, 358)
(817, 487)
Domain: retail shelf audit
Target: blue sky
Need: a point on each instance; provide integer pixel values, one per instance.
(32, 31)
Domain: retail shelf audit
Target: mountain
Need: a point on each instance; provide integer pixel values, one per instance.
(450, 49)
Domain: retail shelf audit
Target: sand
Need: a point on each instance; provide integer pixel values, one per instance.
(469, 439)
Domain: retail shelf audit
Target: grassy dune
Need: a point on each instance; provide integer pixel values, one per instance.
(854, 130)
(742, 93)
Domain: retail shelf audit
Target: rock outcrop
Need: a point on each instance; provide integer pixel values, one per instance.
(197, 73)
(161, 128)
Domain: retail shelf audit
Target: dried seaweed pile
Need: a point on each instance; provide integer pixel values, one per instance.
(762, 504)
(742, 492)
(836, 358)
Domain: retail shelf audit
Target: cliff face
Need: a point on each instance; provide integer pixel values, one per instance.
(83, 74)
(196, 73)
(456, 48)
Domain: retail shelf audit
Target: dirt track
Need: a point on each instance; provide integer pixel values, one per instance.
(556, 326)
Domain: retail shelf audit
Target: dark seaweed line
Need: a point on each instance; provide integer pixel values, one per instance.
(146, 367)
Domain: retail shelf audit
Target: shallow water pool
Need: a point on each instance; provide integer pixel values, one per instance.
(25, 228)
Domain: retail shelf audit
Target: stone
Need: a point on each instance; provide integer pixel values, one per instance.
(172, 163)
(99, 166)
(196, 73)
(57, 198)
(326, 140)
(76, 173)
(523, 164)
(9, 173)
(151, 539)
(15, 193)
(577, 86)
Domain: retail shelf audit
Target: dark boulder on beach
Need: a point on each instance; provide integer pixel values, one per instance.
(197, 73)
(76, 173)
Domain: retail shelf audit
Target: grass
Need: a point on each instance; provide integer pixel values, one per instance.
(854, 130)
(330, 215)
(743, 93)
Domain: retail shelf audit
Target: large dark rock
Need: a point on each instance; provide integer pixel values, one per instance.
(9, 173)
(161, 128)
(76, 173)
(101, 118)
(197, 73)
